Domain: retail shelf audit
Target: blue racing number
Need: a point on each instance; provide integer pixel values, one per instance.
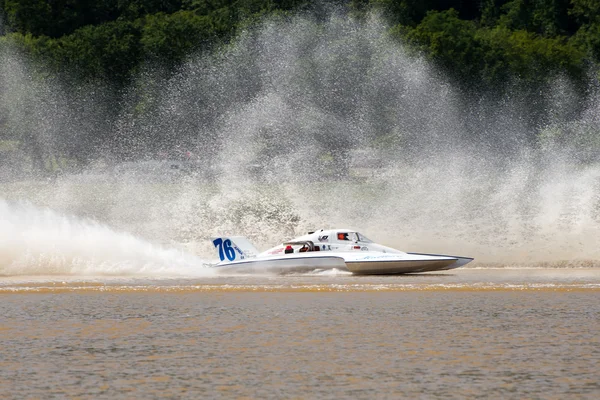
(225, 249)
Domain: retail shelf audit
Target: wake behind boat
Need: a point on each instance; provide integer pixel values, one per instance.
(342, 249)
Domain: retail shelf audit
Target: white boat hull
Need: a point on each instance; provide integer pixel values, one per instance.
(359, 263)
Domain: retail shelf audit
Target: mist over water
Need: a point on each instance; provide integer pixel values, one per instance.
(297, 125)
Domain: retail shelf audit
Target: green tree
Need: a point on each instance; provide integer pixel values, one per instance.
(134, 9)
(59, 17)
(587, 38)
(545, 17)
(28, 16)
(585, 11)
(528, 56)
(450, 41)
(173, 36)
(108, 50)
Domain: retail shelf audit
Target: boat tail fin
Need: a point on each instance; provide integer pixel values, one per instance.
(233, 248)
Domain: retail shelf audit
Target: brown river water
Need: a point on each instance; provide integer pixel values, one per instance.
(492, 333)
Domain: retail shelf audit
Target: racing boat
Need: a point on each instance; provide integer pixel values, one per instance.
(342, 249)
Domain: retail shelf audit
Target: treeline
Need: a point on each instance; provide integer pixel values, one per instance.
(489, 41)
(111, 38)
(479, 41)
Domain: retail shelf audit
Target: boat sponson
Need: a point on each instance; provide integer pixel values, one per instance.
(460, 261)
(398, 266)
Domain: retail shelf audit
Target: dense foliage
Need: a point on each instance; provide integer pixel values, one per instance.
(111, 38)
(489, 40)
(485, 39)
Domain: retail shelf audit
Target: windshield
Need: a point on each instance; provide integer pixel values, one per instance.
(362, 238)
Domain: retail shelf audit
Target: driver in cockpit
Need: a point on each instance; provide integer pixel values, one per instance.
(342, 236)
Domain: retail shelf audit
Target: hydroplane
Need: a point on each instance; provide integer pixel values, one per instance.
(341, 249)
